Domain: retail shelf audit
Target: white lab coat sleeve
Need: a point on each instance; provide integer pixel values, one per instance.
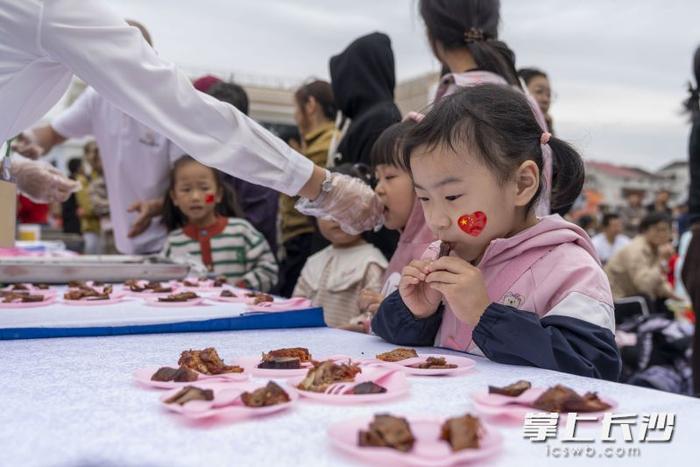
(99, 47)
(76, 120)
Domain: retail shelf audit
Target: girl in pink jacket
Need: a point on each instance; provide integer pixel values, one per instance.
(515, 287)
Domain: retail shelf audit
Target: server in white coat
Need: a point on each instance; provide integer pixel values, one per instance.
(44, 42)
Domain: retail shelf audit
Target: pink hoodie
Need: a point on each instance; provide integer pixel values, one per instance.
(416, 236)
(414, 239)
(550, 268)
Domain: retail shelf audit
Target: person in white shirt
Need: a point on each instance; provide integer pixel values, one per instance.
(125, 144)
(44, 42)
(610, 240)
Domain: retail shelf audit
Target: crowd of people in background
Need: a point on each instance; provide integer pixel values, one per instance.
(141, 194)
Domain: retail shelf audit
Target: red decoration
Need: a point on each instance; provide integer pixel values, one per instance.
(472, 224)
(209, 199)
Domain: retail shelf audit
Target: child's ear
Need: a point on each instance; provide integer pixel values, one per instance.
(219, 195)
(527, 181)
(173, 198)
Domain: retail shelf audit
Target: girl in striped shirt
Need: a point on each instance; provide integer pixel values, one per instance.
(206, 224)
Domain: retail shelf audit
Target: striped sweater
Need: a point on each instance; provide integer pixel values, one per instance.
(230, 247)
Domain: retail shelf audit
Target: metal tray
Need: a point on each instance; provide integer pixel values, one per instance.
(103, 268)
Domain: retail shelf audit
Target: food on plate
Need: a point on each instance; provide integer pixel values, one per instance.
(367, 387)
(190, 393)
(388, 431)
(178, 297)
(149, 287)
(512, 390)
(21, 297)
(560, 398)
(434, 363)
(220, 281)
(86, 293)
(323, 374)
(397, 355)
(271, 394)
(178, 375)
(280, 363)
(227, 294)
(301, 353)
(206, 361)
(462, 432)
(259, 297)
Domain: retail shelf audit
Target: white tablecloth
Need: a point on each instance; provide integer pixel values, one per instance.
(68, 402)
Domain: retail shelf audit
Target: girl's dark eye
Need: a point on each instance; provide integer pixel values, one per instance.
(389, 177)
(453, 197)
(423, 200)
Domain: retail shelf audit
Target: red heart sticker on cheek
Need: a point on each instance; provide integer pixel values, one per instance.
(209, 199)
(472, 224)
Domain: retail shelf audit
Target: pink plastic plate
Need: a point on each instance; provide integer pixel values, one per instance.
(192, 302)
(429, 450)
(396, 384)
(143, 377)
(519, 412)
(227, 403)
(499, 400)
(297, 303)
(116, 297)
(204, 286)
(98, 287)
(48, 299)
(147, 293)
(218, 298)
(251, 365)
(32, 290)
(464, 364)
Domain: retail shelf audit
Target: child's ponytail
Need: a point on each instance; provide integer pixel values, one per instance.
(471, 24)
(495, 56)
(568, 174)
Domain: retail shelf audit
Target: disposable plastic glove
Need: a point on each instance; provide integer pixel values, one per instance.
(41, 182)
(350, 202)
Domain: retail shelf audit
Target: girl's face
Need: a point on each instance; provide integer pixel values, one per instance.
(333, 233)
(395, 189)
(196, 192)
(539, 88)
(452, 188)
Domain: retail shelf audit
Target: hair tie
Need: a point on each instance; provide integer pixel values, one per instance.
(545, 137)
(473, 35)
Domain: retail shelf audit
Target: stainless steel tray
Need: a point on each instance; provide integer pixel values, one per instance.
(104, 268)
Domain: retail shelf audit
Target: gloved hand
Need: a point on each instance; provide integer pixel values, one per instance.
(26, 145)
(350, 202)
(41, 182)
